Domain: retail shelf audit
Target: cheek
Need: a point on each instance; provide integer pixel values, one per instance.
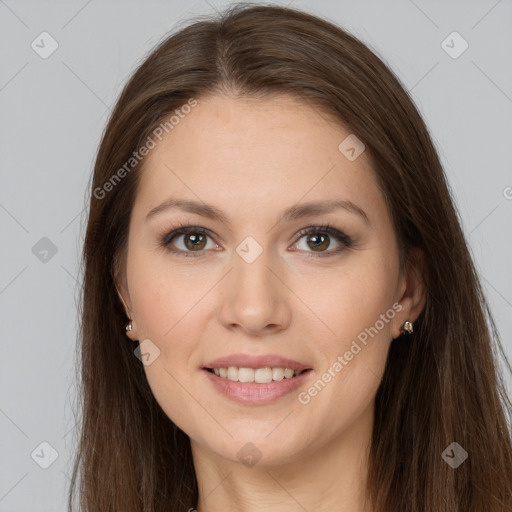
(164, 307)
(162, 292)
(170, 303)
(355, 314)
(346, 301)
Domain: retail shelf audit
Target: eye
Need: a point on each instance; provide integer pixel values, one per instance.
(318, 238)
(194, 240)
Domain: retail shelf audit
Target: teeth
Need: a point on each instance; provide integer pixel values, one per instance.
(278, 373)
(258, 375)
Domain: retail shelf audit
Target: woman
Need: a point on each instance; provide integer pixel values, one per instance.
(280, 310)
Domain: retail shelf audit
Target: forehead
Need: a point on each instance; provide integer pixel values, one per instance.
(248, 154)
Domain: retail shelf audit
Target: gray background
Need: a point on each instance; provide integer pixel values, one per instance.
(53, 114)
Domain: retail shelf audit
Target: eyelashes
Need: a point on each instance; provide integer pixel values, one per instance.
(321, 233)
(184, 230)
(343, 240)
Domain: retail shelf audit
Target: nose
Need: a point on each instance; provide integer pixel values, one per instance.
(256, 300)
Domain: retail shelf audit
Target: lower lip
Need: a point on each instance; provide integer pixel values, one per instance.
(252, 393)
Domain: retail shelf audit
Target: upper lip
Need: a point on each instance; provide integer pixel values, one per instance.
(248, 361)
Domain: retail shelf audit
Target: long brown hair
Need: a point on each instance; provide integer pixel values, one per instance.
(441, 386)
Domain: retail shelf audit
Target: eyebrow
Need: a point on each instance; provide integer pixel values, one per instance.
(293, 213)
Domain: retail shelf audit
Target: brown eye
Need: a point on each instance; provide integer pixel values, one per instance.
(319, 239)
(187, 240)
(194, 241)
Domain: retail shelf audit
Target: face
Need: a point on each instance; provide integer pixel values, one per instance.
(254, 285)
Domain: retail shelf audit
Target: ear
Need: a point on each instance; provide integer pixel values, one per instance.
(124, 297)
(412, 291)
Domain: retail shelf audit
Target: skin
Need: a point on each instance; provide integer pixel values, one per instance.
(252, 159)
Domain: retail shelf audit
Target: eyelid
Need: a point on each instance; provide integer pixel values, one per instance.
(326, 229)
(344, 240)
(184, 229)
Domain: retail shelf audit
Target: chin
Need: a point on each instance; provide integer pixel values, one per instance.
(264, 448)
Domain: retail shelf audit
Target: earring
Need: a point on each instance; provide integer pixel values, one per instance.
(407, 328)
(129, 326)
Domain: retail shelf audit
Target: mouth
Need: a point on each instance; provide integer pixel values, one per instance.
(264, 375)
(256, 386)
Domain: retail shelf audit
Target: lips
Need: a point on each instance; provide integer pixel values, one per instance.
(252, 393)
(248, 361)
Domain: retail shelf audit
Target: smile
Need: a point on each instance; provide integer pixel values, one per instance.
(258, 375)
(236, 386)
